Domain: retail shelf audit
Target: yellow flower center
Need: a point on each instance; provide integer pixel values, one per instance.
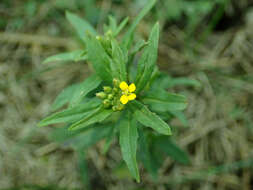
(127, 92)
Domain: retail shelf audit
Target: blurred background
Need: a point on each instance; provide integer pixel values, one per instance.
(207, 40)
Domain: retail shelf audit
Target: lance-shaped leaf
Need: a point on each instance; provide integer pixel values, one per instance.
(128, 143)
(181, 116)
(183, 81)
(127, 39)
(148, 59)
(138, 47)
(165, 144)
(95, 116)
(144, 154)
(78, 55)
(148, 118)
(84, 88)
(121, 26)
(162, 101)
(90, 137)
(71, 114)
(83, 169)
(109, 139)
(80, 25)
(119, 60)
(64, 97)
(99, 58)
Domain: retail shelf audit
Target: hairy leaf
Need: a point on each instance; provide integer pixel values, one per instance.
(146, 157)
(80, 25)
(119, 61)
(162, 101)
(78, 55)
(64, 97)
(121, 26)
(165, 144)
(71, 114)
(99, 58)
(95, 116)
(128, 143)
(147, 61)
(84, 88)
(129, 34)
(149, 119)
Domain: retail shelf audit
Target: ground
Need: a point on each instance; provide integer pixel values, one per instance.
(217, 137)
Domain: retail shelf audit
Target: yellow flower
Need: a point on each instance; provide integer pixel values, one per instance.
(127, 92)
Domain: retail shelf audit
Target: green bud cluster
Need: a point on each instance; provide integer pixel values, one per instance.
(106, 41)
(111, 96)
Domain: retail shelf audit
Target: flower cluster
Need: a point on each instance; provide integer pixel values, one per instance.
(127, 92)
(117, 96)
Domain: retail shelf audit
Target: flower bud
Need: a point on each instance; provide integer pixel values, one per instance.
(107, 89)
(106, 103)
(109, 33)
(116, 82)
(98, 37)
(110, 96)
(101, 95)
(120, 107)
(115, 90)
(114, 108)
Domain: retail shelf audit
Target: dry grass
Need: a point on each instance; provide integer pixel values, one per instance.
(220, 113)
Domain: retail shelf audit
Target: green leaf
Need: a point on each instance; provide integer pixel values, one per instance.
(109, 140)
(128, 143)
(148, 118)
(82, 138)
(162, 101)
(78, 55)
(129, 34)
(90, 137)
(80, 25)
(64, 97)
(145, 155)
(119, 61)
(138, 46)
(184, 82)
(165, 81)
(147, 61)
(71, 114)
(180, 115)
(121, 26)
(112, 23)
(84, 88)
(83, 169)
(99, 58)
(165, 144)
(95, 116)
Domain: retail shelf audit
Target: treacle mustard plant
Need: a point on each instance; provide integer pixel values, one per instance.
(121, 97)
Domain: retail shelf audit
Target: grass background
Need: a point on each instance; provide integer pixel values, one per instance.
(210, 41)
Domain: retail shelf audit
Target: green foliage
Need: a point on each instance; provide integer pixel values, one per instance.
(99, 58)
(148, 59)
(80, 25)
(78, 55)
(129, 34)
(84, 88)
(92, 114)
(162, 101)
(149, 119)
(167, 146)
(128, 142)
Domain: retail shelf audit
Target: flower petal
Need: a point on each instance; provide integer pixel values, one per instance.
(132, 87)
(132, 96)
(123, 99)
(123, 85)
